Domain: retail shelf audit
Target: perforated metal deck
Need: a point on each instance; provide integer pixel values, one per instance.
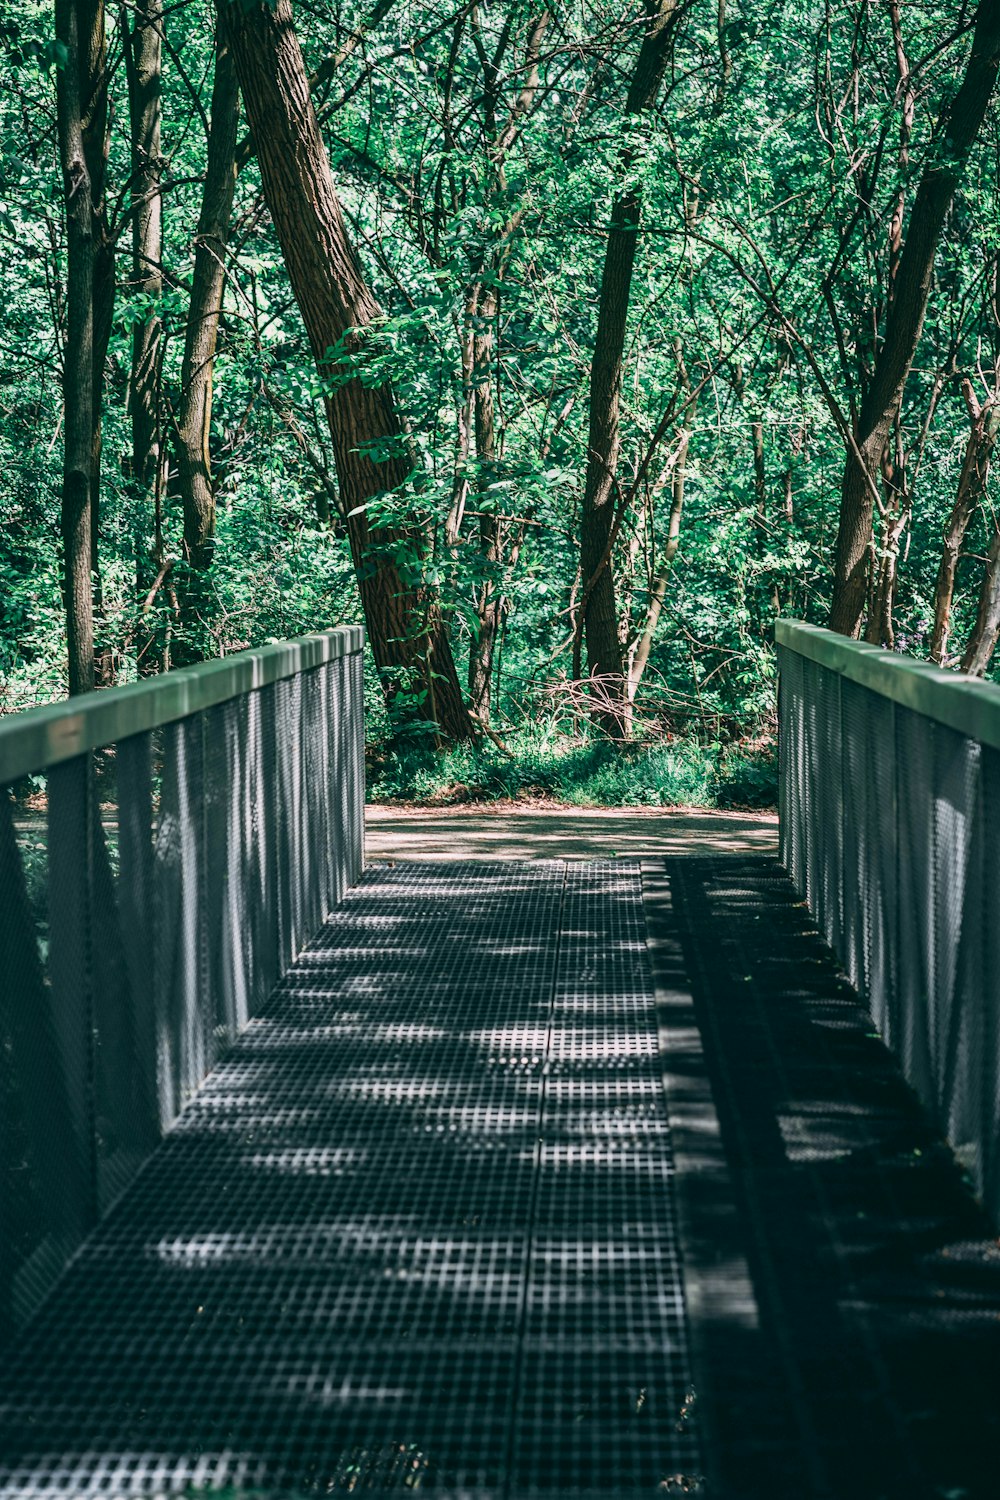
(416, 1231)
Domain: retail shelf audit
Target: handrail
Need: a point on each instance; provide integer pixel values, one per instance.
(148, 907)
(55, 732)
(889, 790)
(965, 704)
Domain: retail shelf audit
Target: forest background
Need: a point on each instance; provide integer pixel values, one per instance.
(566, 344)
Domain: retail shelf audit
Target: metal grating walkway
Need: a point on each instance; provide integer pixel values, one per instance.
(416, 1231)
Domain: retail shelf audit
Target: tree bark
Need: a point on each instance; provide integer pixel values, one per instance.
(958, 128)
(604, 653)
(489, 599)
(658, 592)
(402, 613)
(78, 387)
(765, 583)
(143, 54)
(194, 413)
(985, 420)
(983, 640)
(94, 104)
(482, 305)
(894, 519)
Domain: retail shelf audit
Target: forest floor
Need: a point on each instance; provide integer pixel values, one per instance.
(549, 831)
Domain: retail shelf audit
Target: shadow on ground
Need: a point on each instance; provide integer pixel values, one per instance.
(877, 1278)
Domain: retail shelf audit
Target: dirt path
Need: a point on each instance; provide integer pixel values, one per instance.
(499, 831)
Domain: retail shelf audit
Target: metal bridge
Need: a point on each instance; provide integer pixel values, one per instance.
(495, 1179)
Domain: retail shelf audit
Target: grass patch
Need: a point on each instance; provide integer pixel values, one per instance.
(580, 773)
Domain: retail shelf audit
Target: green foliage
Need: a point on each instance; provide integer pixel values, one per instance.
(761, 285)
(582, 773)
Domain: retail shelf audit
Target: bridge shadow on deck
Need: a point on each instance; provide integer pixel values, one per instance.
(417, 1231)
(875, 1363)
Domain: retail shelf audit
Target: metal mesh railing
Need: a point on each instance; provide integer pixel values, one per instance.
(890, 809)
(166, 850)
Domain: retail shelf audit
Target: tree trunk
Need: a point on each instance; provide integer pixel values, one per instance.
(78, 388)
(402, 614)
(194, 412)
(971, 487)
(767, 585)
(654, 606)
(982, 642)
(894, 519)
(489, 599)
(93, 86)
(957, 130)
(604, 654)
(143, 58)
(482, 305)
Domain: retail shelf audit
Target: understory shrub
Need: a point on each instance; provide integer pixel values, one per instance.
(582, 773)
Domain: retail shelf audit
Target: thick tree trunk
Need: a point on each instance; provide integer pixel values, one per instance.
(958, 128)
(78, 386)
(143, 65)
(402, 614)
(194, 413)
(985, 420)
(604, 653)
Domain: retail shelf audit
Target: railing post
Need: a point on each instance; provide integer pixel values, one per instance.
(136, 906)
(70, 879)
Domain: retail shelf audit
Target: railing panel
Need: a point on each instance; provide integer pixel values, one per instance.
(876, 769)
(915, 938)
(988, 1006)
(47, 1188)
(136, 905)
(179, 843)
(122, 1002)
(896, 868)
(960, 979)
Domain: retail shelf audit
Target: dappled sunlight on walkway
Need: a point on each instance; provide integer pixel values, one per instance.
(496, 831)
(534, 1179)
(416, 1228)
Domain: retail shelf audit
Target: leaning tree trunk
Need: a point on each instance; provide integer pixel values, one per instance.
(600, 623)
(194, 413)
(958, 128)
(77, 360)
(402, 614)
